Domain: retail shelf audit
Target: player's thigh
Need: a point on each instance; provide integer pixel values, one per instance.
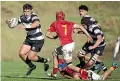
(68, 50)
(24, 49)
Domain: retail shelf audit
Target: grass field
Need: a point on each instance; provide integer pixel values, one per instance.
(13, 69)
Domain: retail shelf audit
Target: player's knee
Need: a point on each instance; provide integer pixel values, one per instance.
(21, 54)
(94, 58)
(32, 56)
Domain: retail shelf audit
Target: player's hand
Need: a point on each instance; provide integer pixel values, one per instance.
(91, 47)
(55, 37)
(12, 23)
(8, 23)
(89, 39)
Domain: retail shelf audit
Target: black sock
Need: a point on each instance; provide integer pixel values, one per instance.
(93, 68)
(104, 68)
(82, 62)
(97, 62)
(42, 60)
(28, 62)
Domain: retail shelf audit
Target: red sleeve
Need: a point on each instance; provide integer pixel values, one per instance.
(52, 27)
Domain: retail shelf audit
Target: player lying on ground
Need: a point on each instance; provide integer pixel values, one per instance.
(91, 51)
(84, 74)
(64, 31)
(34, 40)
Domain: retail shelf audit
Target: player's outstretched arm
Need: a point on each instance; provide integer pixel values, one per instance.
(78, 31)
(33, 25)
(76, 26)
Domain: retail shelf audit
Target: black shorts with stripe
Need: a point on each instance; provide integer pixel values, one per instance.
(98, 50)
(36, 45)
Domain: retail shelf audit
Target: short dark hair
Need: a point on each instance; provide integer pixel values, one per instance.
(83, 7)
(27, 6)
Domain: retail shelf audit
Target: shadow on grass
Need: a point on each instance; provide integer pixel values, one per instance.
(34, 77)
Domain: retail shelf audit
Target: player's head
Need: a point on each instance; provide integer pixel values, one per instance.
(27, 9)
(60, 15)
(83, 9)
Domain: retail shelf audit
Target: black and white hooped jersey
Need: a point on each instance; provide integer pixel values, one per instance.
(93, 29)
(32, 33)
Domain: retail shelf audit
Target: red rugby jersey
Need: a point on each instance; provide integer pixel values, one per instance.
(64, 31)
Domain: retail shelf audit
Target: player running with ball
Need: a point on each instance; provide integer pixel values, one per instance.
(34, 40)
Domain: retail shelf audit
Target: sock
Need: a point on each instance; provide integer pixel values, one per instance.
(93, 68)
(104, 68)
(42, 60)
(55, 70)
(28, 62)
(82, 62)
(97, 62)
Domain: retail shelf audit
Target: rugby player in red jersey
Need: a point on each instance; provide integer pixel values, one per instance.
(64, 31)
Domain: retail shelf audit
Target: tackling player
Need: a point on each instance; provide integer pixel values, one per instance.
(64, 31)
(84, 74)
(96, 47)
(34, 39)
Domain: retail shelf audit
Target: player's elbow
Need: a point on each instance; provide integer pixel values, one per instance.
(35, 24)
(47, 34)
(100, 38)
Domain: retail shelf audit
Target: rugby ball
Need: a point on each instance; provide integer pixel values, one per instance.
(13, 22)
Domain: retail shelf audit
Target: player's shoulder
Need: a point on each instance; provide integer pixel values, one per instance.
(53, 23)
(33, 14)
(88, 17)
(68, 22)
(22, 16)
